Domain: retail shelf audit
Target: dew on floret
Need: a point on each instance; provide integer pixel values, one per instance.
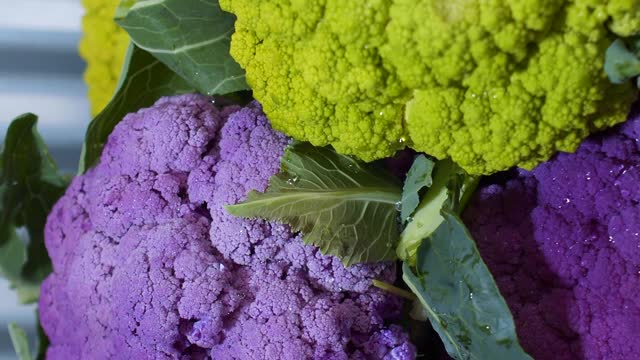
(402, 140)
(567, 200)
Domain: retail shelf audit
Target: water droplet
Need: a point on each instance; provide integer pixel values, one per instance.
(470, 296)
(398, 205)
(381, 113)
(567, 200)
(401, 140)
(292, 180)
(221, 266)
(409, 219)
(486, 329)
(389, 244)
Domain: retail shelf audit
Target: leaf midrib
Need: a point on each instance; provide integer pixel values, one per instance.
(380, 195)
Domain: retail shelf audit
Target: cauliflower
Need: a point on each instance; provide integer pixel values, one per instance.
(563, 243)
(490, 84)
(103, 46)
(148, 265)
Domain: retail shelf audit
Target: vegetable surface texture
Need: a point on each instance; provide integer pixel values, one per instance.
(563, 243)
(489, 84)
(103, 47)
(149, 265)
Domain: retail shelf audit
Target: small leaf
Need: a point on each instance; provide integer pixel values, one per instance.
(20, 342)
(451, 189)
(29, 186)
(427, 216)
(418, 177)
(344, 207)
(460, 296)
(144, 80)
(192, 37)
(621, 64)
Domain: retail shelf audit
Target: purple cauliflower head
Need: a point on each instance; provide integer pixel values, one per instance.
(563, 242)
(148, 264)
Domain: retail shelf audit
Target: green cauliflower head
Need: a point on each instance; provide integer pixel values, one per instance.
(489, 83)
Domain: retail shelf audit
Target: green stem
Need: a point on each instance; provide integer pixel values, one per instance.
(394, 289)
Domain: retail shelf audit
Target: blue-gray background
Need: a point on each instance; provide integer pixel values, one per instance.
(40, 72)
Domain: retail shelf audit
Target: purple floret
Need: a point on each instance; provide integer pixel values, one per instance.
(563, 242)
(148, 264)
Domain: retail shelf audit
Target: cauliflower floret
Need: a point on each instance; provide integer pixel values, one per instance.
(103, 47)
(563, 242)
(148, 265)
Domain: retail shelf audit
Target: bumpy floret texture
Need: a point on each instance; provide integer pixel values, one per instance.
(563, 243)
(103, 47)
(491, 84)
(148, 265)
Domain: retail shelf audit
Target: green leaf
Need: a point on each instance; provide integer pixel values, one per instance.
(20, 342)
(143, 81)
(621, 63)
(427, 218)
(192, 37)
(42, 342)
(29, 186)
(13, 255)
(460, 296)
(418, 177)
(344, 207)
(451, 189)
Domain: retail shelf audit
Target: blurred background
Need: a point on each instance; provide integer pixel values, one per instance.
(41, 72)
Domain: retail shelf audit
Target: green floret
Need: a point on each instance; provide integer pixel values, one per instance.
(490, 84)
